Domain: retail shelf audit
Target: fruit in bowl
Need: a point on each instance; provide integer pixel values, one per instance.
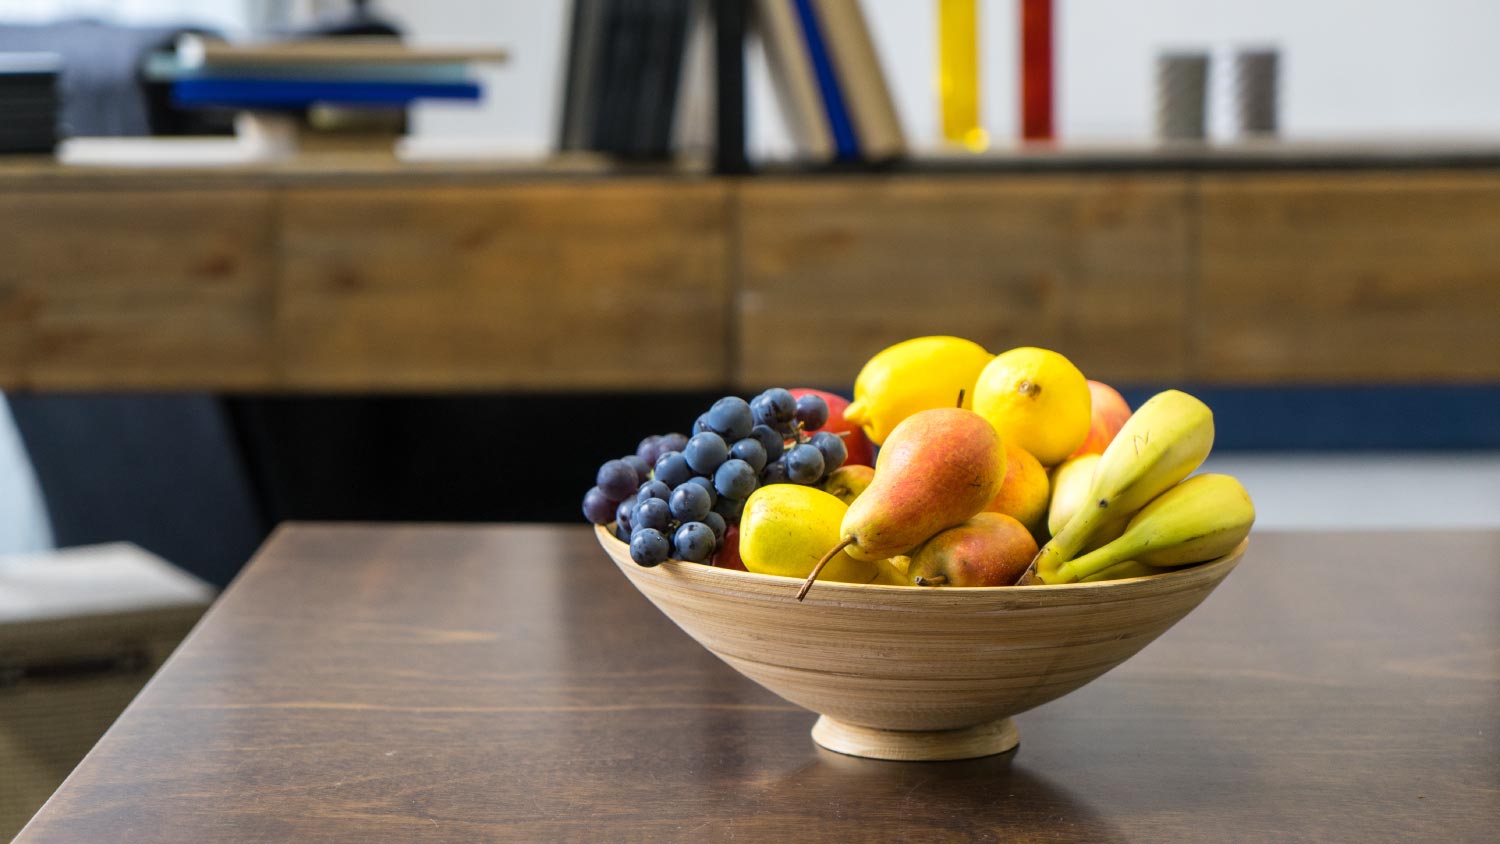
(935, 617)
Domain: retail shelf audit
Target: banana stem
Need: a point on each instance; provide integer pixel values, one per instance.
(818, 569)
(1092, 563)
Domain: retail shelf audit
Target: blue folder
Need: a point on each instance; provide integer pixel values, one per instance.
(289, 93)
(845, 143)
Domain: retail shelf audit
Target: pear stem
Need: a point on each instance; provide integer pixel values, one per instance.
(818, 569)
(1028, 577)
(960, 398)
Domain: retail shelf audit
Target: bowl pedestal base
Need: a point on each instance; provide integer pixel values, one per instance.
(915, 746)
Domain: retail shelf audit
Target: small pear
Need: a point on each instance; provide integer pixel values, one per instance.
(846, 483)
(990, 549)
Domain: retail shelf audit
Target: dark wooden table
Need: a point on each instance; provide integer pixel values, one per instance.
(413, 684)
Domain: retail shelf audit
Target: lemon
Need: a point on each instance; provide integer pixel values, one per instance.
(1038, 400)
(914, 375)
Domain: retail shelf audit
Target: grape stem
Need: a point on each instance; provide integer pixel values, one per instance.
(818, 569)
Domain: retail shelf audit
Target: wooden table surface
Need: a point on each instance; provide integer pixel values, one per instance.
(414, 684)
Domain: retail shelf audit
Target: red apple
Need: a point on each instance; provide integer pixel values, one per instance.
(1109, 414)
(728, 555)
(861, 450)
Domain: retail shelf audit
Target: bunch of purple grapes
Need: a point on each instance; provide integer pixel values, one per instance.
(677, 496)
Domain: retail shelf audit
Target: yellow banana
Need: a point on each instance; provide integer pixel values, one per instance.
(1161, 443)
(1199, 519)
(1070, 488)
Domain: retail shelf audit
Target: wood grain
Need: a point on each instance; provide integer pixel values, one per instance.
(439, 684)
(136, 290)
(835, 270)
(529, 287)
(918, 661)
(345, 274)
(1338, 277)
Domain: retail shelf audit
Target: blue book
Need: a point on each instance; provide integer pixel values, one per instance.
(845, 143)
(294, 93)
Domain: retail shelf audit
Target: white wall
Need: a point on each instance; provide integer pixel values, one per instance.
(1352, 68)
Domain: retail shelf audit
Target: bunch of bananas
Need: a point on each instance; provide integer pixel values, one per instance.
(1137, 514)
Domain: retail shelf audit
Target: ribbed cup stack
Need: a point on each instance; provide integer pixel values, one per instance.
(1181, 95)
(1256, 75)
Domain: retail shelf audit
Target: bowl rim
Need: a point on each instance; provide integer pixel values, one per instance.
(605, 535)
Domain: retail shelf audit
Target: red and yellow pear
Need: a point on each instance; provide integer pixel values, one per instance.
(937, 469)
(990, 549)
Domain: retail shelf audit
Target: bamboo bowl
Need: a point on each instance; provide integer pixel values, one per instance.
(906, 673)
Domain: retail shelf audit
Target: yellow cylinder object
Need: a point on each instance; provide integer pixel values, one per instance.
(958, 73)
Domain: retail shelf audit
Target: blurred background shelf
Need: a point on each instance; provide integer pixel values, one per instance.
(361, 274)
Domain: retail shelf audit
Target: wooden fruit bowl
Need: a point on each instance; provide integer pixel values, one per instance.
(900, 672)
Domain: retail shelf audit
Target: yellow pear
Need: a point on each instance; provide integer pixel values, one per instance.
(786, 528)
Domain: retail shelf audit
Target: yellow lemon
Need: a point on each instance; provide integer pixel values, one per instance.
(914, 375)
(1038, 400)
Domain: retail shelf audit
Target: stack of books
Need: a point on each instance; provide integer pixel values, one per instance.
(280, 90)
(828, 80)
(297, 74)
(28, 102)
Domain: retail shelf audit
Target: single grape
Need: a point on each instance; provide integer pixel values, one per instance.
(694, 542)
(653, 489)
(672, 469)
(772, 442)
(641, 468)
(804, 464)
(751, 451)
(760, 410)
(701, 424)
(717, 524)
(649, 547)
(774, 473)
(705, 452)
(812, 412)
(648, 449)
(623, 511)
(778, 406)
(670, 442)
(651, 513)
(690, 503)
(735, 479)
(621, 533)
(730, 509)
(730, 418)
(598, 507)
(832, 447)
(617, 480)
(708, 486)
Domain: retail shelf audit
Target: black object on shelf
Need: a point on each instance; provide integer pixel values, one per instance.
(624, 75)
(730, 19)
(360, 22)
(29, 102)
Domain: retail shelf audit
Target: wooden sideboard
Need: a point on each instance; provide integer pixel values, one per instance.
(346, 276)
